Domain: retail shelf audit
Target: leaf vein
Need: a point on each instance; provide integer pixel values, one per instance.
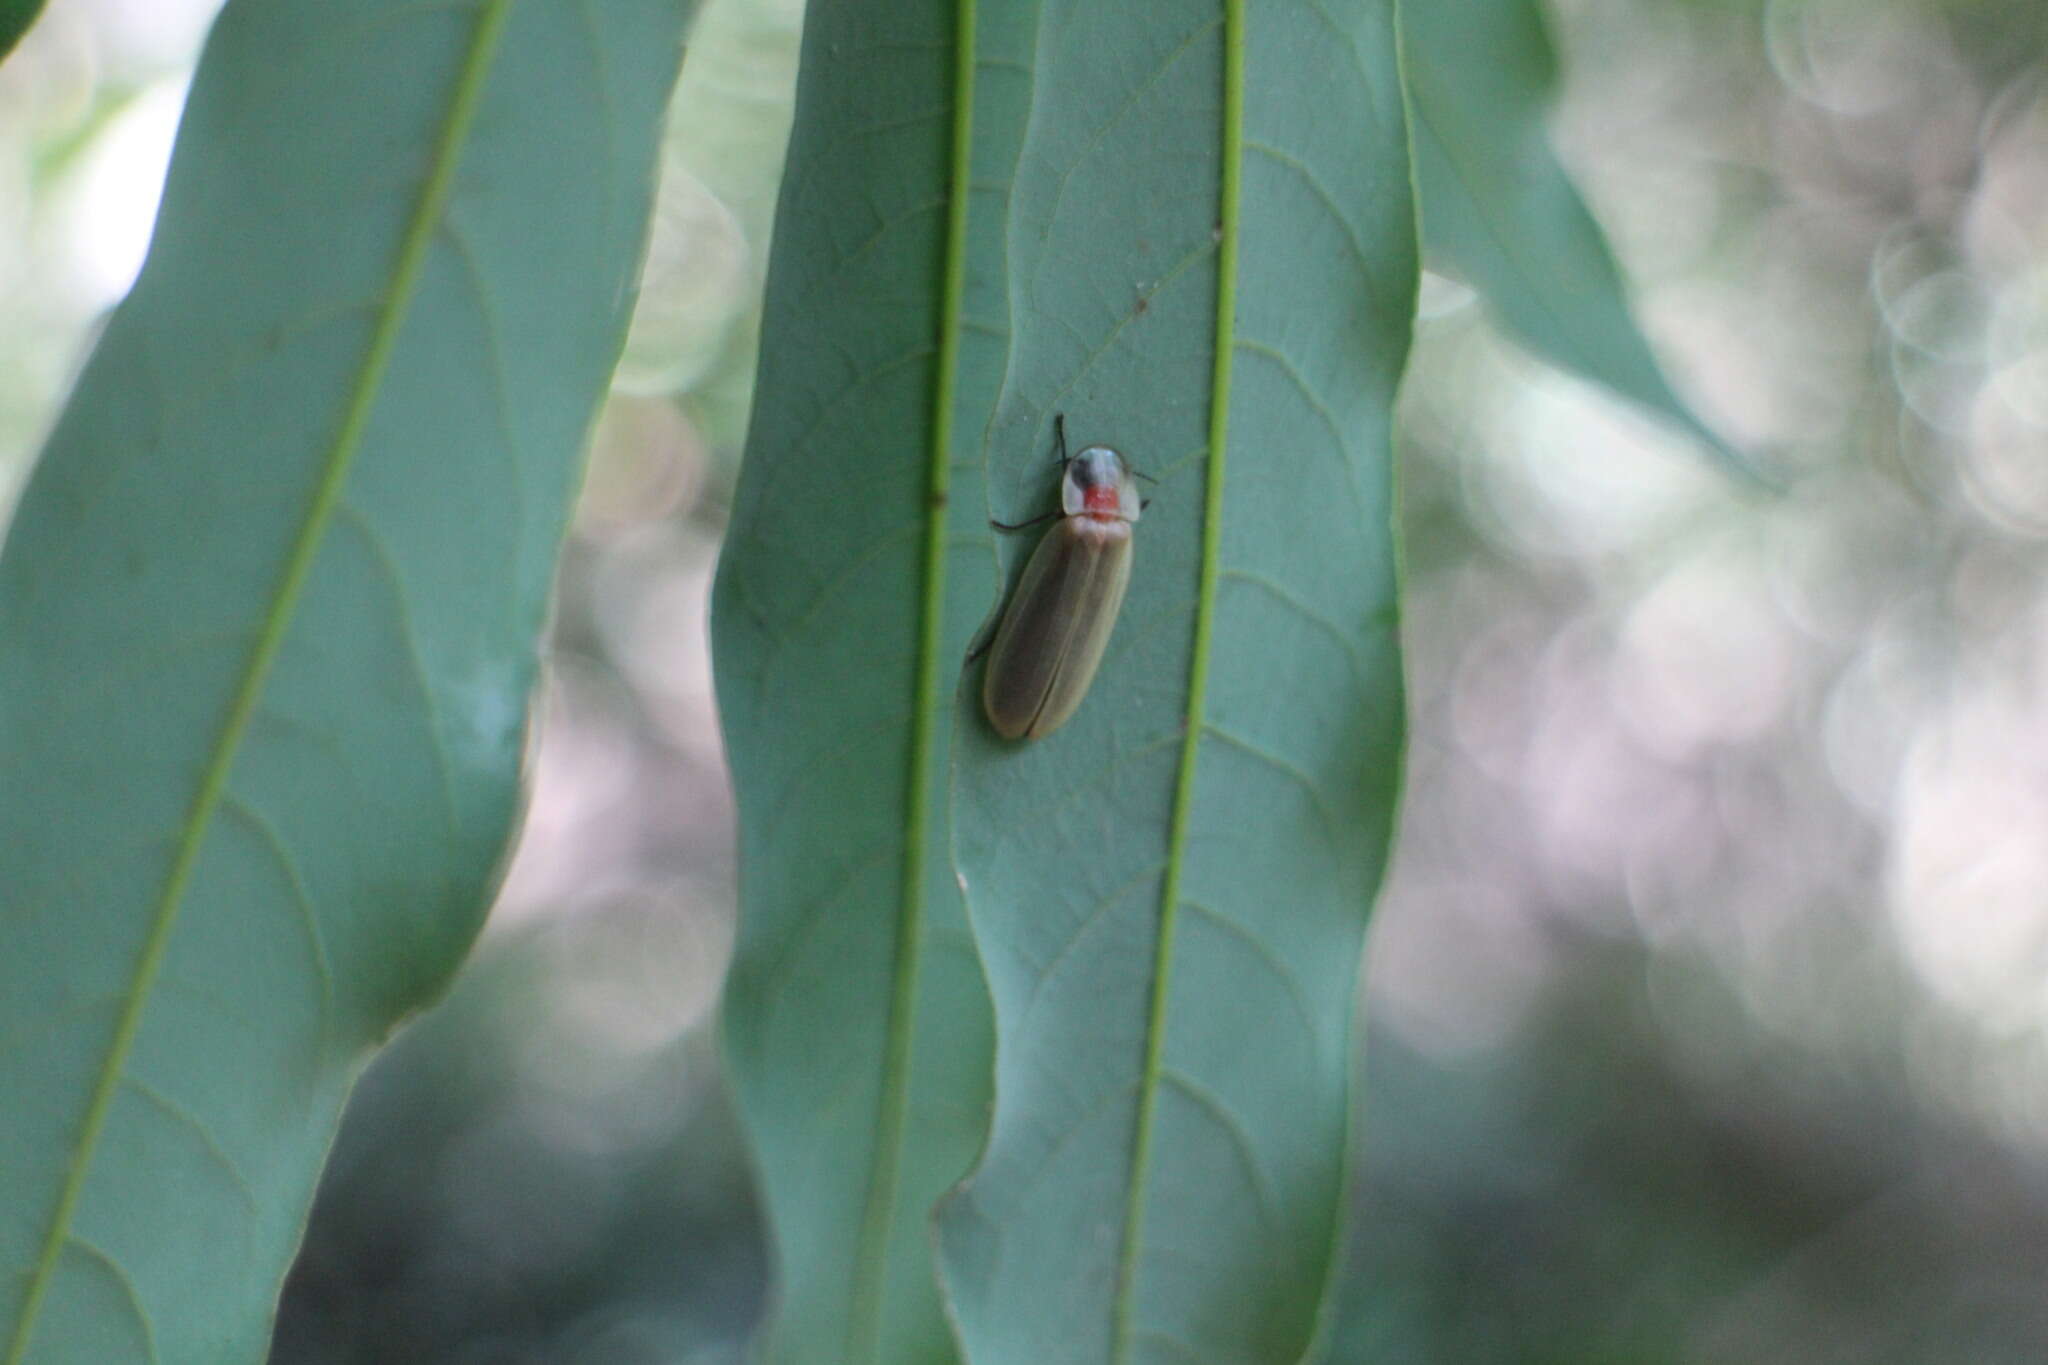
(1308, 176)
(1079, 790)
(1273, 963)
(1095, 140)
(114, 1268)
(1079, 930)
(1230, 157)
(501, 386)
(1094, 352)
(804, 919)
(302, 901)
(1286, 767)
(786, 453)
(177, 1113)
(1294, 603)
(195, 396)
(843, 578)
(1264, 1200)
(878, 1216)
(20, 1037)
(1294, 376)
(345, 513)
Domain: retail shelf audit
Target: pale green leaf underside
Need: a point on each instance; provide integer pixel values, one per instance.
(1502, 213)
(268, 620)
(856, 1023)
(1170, 893)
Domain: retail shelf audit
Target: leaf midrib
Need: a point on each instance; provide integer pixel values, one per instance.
(885, 1174)
(1231, 154)
(206, 800)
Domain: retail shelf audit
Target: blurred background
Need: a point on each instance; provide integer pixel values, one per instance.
(1708, 1003)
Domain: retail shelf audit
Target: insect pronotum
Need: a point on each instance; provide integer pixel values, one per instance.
(1053, 633)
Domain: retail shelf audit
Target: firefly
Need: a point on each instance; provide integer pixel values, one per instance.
(1052, 635)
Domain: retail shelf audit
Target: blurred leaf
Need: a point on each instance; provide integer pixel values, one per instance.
(1499, 208)
(730, 127)
(269, 613)
(1170, 893)
(15, 18)
(856, 1021)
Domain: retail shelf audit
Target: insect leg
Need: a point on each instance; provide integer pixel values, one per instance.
(1022, 525)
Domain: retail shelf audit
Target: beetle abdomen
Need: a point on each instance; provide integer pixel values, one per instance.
(1052, 637)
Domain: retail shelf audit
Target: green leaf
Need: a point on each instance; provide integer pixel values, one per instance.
(963, 249)
(1498, 207)
(857, 1026)
(268, 622)
(15, 18)
(1213, 267)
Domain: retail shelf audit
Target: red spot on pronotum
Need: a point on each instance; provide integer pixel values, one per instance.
(1101, 500)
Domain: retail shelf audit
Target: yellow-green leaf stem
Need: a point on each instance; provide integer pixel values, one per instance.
(864, 1326)
(1231, 155)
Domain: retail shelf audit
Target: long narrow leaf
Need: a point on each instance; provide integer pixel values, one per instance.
(1498, 207)
(1213, 269)
(268, 619)
(857, 1024)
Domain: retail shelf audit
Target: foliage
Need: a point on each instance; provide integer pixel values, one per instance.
(1084, 1002)
(271, 603)
(1191, 232)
